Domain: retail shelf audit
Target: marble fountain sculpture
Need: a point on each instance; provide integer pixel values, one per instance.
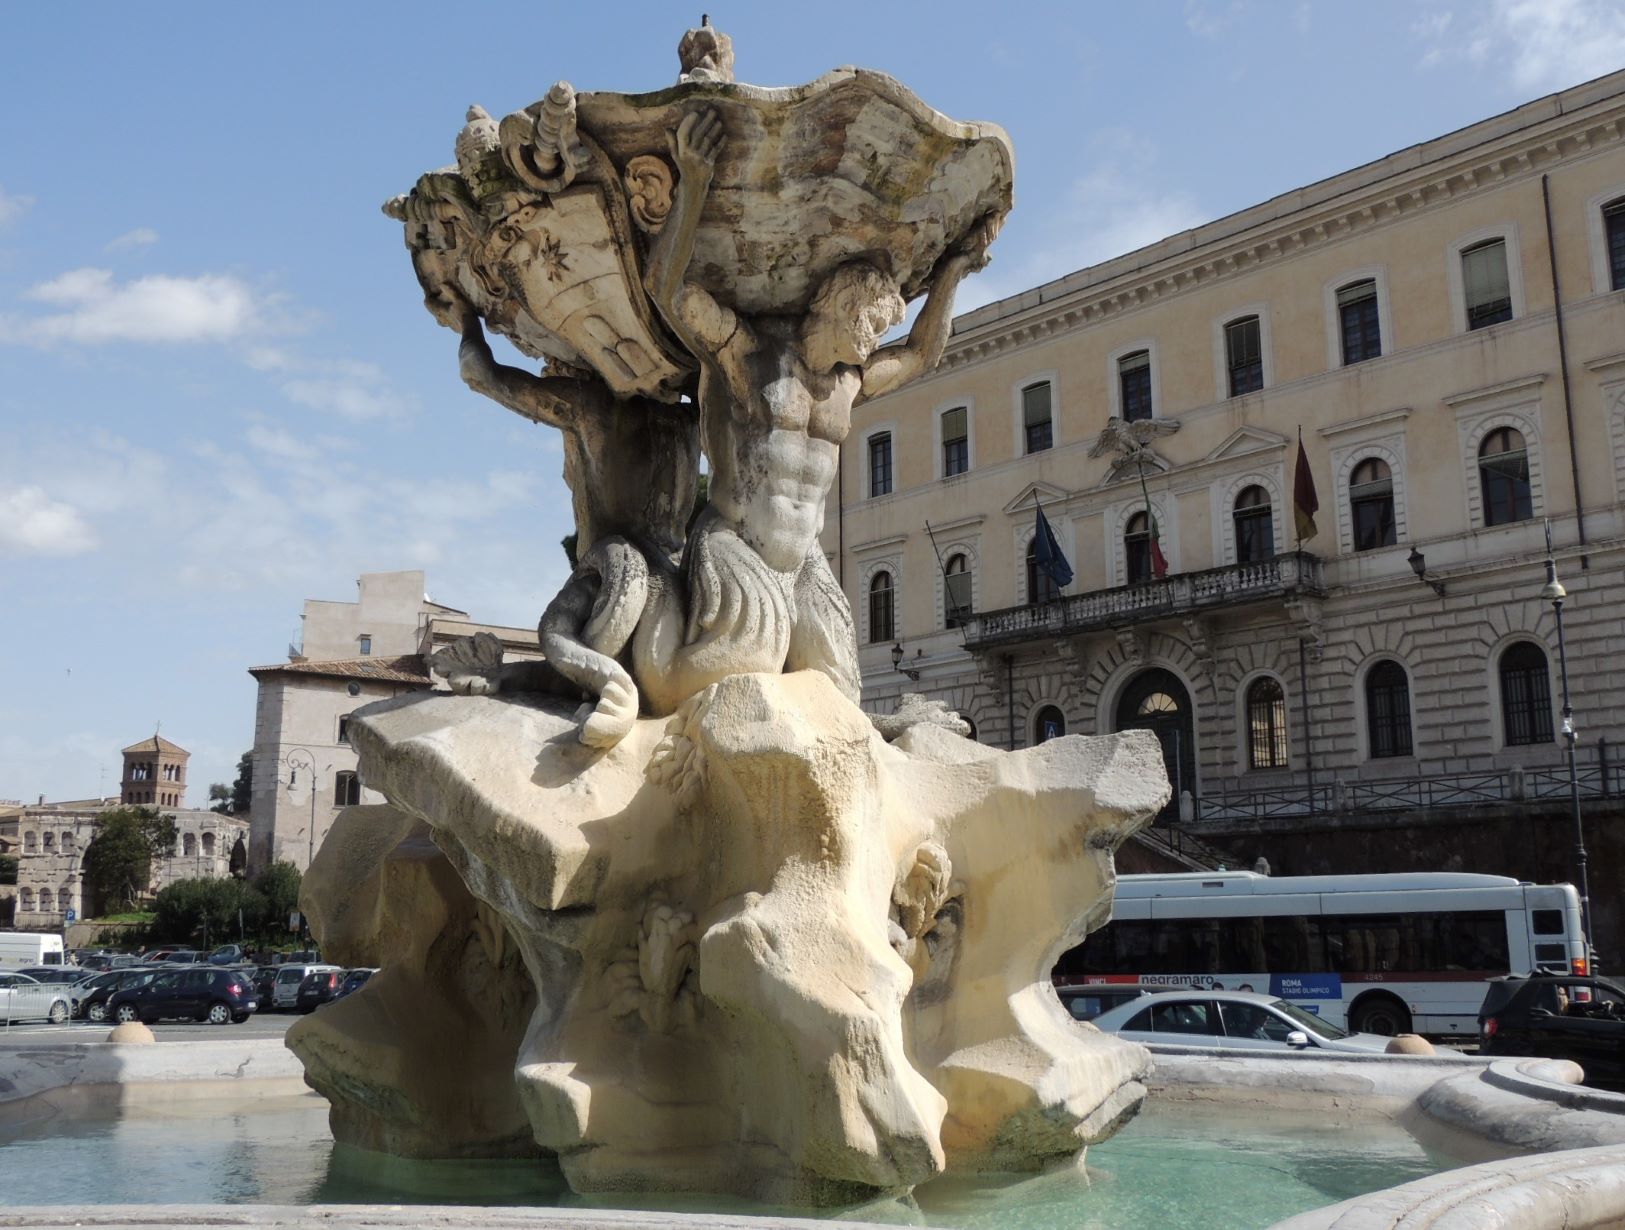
(670, 907)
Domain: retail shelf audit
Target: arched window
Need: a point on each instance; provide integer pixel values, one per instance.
(1255, 526)
(1041, 586)
(1371, 504)
(1266, 724)
(189, 845)
(64, 899)
(208, 845)
(1526, 694)
(29, 842)
(346, 790)
(25, 900)
(1048, 723)
(1388, 710)
(970, 734)
(1503, 475)
(882, 612)
(66, 843)
(1137, 548)
(956, 590)
(48, 843)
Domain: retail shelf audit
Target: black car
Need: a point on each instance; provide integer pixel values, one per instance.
(1558, 1016)
(92, 1006)
(201, 994)
(318, 987)
(264, 978)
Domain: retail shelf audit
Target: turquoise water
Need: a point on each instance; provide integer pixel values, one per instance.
(1173, 1166)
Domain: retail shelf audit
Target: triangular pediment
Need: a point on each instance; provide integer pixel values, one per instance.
(1244, 441)
(1045, 493)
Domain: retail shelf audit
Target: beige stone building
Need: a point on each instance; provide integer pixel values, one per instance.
(349, 654)
(1445, 327)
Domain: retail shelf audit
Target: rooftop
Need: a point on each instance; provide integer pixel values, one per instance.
(157, 744)
(408, 668)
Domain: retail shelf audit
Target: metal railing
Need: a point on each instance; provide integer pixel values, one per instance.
(1598, 779)
(1182, 593)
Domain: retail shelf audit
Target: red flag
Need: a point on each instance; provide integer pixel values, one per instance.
(1159, 561)
(1305, 504)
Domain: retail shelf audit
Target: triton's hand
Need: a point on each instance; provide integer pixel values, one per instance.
(979, 239)
(695, 144)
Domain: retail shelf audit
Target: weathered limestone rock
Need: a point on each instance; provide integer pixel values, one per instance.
(774, 955)
(380, 893)
(130, 1033)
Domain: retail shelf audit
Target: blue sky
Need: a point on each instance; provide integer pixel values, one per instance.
(219, 394)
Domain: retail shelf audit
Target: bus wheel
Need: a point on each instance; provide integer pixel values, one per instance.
(1380, 1014)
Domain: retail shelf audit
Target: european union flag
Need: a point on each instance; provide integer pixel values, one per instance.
(1047, 553)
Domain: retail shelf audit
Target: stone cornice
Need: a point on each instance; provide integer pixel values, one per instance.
(1305, 218)
(877, 544)
(1606, 363)
(1384, 418)
(1508, 389)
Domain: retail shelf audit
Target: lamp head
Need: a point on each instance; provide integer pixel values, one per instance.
(896, 655)
(1418, 563)
(1553, 590)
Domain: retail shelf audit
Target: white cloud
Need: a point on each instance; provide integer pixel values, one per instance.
(353, 398)
(1118, 207)
(31, 523)
(1540, 45)
(1210, 21)
(141, 237)
(13, 205)
(95, 308)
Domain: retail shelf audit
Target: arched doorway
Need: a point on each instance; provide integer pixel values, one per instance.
(1157, 701)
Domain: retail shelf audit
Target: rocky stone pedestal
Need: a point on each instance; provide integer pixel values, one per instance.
(771, 954)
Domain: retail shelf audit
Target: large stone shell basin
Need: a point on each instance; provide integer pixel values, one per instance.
(850, 165)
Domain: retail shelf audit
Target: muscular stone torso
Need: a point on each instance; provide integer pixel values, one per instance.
(773, 431)
(631, 467)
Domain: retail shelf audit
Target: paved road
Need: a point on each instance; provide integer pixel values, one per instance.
(260, 1025)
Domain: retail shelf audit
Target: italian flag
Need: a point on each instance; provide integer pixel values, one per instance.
(1159, 561)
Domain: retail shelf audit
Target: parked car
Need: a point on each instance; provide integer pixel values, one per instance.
(264, 979)
(184, 956)
(1085, 1003)
(1232, 1020)
(92, 1005)
(213, 995)
(24, 999)
(353, 982)
(227, 954)
(285, 990)
(319, 987)
(1558, 1016)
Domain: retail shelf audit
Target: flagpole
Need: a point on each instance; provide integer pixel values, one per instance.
(1297, 529)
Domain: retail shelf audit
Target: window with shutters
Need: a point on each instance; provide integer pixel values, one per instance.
(882, 621)
(1134, 385)
(955, 441)
(1244, 355)
(880, 463)
(956, 591)
(1137, 549)
(1036, 411)
(346, 790)
(1613, 225)
(1371, 505)
(1503, 476)
(1486, 286)
(1255, 526)
(1358, 321)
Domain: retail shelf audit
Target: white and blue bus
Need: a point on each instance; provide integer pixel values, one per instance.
(1383, 954)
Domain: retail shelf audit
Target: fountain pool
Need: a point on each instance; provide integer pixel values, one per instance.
(1177, 1164)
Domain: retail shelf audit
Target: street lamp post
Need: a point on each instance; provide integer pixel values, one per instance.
(1554, 593)
(303, 758)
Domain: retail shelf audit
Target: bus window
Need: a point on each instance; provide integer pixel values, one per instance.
(1547, 922)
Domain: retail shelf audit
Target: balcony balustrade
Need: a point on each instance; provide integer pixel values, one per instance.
(1185, 593)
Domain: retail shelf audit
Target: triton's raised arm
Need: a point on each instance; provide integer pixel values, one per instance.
(702, 323)
(895, 365)
(553, 400)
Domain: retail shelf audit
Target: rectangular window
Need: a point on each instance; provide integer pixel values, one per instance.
(1035, 417)
(1613, 221)
(880, 464)
(364, 643)
(1485, 286)
(1547, 922)
(1357, 317)
(1244, 355)
(344, 729)
(957, 599)
(1134, 385)
(955, 442)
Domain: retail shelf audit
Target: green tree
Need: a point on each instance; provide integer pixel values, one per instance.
(220, 798)
(207, 911)
(118, 861)
(242, 790)
(8, 868)
(279, 885)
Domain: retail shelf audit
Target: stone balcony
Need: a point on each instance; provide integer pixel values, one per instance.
(1295, 574)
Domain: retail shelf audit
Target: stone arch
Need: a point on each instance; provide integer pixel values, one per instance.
(968, 548)
(1224, 510)
(1526, 425)
(866, 579)
(1396, 473)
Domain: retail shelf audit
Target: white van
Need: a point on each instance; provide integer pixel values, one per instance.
(24, 948)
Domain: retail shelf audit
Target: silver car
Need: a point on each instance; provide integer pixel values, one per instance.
(1232, 1021)
(24, 999)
